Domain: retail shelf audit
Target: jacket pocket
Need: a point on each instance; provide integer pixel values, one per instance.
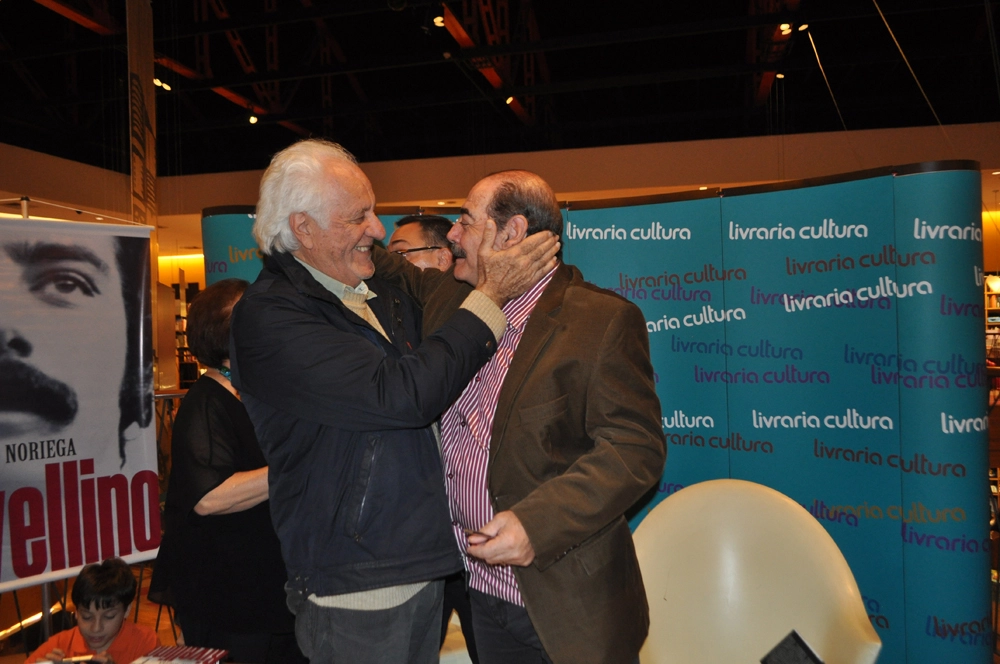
(359, 494)
(602, 547)
(543, 411)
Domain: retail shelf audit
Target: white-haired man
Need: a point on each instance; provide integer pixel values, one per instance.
(342, 393)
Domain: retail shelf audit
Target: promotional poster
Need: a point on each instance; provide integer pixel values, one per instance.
(826, 339)
(78, 482)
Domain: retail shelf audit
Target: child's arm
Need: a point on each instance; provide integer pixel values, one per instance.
(54, 655)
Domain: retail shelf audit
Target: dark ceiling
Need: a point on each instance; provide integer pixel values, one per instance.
(381, 78)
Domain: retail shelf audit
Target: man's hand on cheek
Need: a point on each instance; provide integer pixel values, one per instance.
(508, 273)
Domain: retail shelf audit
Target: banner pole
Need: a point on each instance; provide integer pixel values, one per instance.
(46, 613)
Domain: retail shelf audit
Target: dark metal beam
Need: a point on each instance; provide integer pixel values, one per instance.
(478, 54)
(542, 89)
(577, 41)
(103, 24)
(291, 14)
(552, 88)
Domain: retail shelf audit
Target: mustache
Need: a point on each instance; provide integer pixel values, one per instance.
(457, 251)
(26, 389)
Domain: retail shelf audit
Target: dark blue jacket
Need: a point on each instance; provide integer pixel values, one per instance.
(343, 418)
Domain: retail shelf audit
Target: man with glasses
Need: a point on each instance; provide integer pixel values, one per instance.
(423, 240)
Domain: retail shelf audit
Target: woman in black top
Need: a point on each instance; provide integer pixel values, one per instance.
(220, 558)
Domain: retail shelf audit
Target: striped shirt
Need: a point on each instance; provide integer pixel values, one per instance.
(465, 436)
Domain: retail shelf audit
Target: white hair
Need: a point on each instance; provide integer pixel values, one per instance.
(294, 183)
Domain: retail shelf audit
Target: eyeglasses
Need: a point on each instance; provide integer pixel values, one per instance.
(403, 252)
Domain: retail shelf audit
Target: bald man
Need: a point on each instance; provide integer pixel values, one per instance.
(555, 437)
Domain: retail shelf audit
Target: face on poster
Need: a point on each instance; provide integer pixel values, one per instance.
(75, 369)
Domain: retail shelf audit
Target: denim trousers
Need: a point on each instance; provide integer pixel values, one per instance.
(405, 634)
(504, 633)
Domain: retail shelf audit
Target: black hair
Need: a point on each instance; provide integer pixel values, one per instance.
(103, 585)
(524, 193)
(435, 227)
(135, 398)
(208, 321)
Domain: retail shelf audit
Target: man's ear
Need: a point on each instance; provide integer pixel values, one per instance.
(514, 231)
(302, 227)
(444, 259)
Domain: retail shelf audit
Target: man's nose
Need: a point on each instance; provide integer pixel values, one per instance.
(13, 342)
(454, 233)
(375, 227)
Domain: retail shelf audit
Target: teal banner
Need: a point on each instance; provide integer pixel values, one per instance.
(227, 241)
(827, 339)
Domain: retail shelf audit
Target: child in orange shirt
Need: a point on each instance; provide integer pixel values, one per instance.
(103, 594)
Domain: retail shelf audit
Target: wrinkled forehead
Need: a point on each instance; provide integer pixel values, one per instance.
(347, 183)
(479, 199)
(483, 190)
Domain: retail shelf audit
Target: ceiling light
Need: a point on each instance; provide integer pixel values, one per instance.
(510, 100)
(702, 188)
(996, 172)
(439, 21)
(157, 82)
(99, 218)
(166, 87)
(787, 31)
(785, 26)
(253, 119)
(779, 75)
(803, 27)
(440, 202)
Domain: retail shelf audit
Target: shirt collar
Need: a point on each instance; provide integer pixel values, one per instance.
(519, 309)
(338, 288)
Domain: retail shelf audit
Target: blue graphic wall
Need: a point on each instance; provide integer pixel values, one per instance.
(230, 248)
(227, 241)
(827, 339)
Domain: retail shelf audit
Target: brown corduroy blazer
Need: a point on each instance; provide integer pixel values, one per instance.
(576, 440)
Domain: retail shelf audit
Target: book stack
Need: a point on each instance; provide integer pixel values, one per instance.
(183, 655)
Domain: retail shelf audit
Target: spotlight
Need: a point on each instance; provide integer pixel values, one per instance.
(786, 31)
(785, 26)
(439, 21)
(165, 87)
(510, 100)
(157, 82)
(803, 27)
(252, 119)
(779, 75)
